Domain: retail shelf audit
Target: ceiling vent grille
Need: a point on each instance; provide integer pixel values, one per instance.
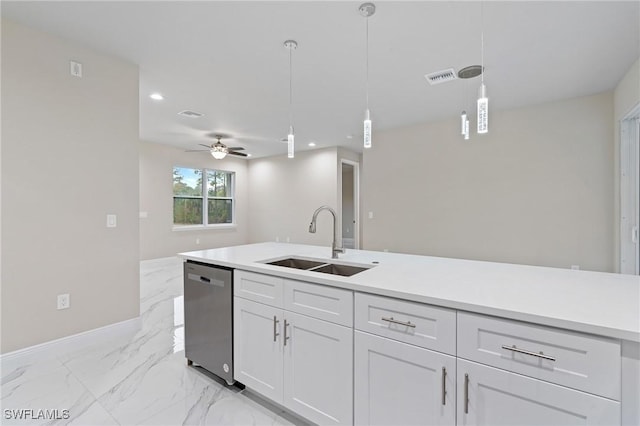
(191, 114)
(441, 76)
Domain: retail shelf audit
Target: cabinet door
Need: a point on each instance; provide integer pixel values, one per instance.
(401, 384)
(318, 370)
(257, 347)
(493, 397)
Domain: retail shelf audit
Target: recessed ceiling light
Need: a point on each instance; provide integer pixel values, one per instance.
(156, 96)
(312, 144)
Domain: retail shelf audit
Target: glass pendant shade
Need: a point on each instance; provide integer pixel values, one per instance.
(463, 122)
(290, 143)
(483, 110)
(367, 130)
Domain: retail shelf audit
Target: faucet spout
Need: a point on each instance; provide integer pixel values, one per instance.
(312, 228)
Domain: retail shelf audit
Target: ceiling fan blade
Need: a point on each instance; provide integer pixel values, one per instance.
(239, 154)
(236, 148)
(206, 146)
(197, 150)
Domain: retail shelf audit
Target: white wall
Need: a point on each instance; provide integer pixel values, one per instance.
(284, 193)
(538, 189)
(626, 96)
(157, 237)
(69, 157)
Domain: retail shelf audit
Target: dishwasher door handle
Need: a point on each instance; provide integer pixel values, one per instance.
(199, 278)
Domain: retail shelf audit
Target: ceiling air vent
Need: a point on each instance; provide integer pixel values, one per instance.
(441, 76)
(191, 114)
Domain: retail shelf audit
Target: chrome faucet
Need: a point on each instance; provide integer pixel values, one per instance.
(312, 228)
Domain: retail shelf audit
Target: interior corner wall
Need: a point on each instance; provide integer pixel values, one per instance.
(626, 96)
(537, 189)
(157, 237)
(69, 158)
(284, 193)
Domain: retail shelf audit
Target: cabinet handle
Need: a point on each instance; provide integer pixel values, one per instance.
(523, 351)
(444, 386)
(395, 321)
(286, 324)
(275, 328)
(466, 394)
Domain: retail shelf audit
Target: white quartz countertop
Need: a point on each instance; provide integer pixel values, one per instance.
(592, 302)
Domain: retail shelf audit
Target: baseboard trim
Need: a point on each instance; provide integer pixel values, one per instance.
(77, 341)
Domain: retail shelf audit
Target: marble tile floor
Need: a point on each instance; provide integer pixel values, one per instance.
(140, 378)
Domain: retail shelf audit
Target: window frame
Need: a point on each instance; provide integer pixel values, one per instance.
(205, 201)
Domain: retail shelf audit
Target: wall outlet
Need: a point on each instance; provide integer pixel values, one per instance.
(370, 215)
(288, 240)
(64, 301)
(75, 68)
(144, 215)
(197, 240)
(277, 239)
(575, 267)
(112, 221)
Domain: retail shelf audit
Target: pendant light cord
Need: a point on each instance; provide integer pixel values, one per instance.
(290, 89)
(482, 39)
(367, 49)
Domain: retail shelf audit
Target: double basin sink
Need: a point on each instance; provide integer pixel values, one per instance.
(319, 266)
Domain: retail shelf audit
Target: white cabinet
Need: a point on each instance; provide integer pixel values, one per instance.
(303, 363)
(398, 379)
(401, 384)
(492, 397)
(257, 347)
(318, 369)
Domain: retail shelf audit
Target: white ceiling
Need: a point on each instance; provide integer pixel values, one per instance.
(227, 60)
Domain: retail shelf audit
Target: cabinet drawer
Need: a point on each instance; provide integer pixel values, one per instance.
(261, 288)
(579, 361)
(318, 301)
(415, 323)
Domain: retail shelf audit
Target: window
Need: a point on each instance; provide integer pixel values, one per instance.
(202, 197)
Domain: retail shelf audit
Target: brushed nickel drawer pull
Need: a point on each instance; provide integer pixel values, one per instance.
(466, 394)
(444, 386)
(526, 352)
(275, 330)
(395, 321)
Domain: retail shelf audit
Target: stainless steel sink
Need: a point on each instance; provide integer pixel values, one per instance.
(296, 263)
(343, 270)
(318, 266)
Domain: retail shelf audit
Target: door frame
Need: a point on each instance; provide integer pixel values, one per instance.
(356, 199)
(629, 192)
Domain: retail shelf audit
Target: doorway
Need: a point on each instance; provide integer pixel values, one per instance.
(350, 203)
(630, 192)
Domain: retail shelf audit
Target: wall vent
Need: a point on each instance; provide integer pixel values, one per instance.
(191, 114)
(441, 76)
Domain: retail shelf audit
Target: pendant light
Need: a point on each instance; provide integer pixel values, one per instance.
(483, 101)
(467, 73)
(291, 45)
(366, 10)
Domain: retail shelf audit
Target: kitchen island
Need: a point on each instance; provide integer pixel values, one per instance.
(572, 336)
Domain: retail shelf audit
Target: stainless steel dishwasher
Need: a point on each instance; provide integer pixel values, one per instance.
(208, 318)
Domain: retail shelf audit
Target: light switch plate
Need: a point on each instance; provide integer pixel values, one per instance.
(64, 301)
(112, 221)
(75, 68)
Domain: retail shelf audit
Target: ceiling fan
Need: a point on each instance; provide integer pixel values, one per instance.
(219, 150)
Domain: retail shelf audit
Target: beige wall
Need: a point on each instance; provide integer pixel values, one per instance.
(284, 193)
(69, 158)
(626, 96)
(157, 237)
(538, 189)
